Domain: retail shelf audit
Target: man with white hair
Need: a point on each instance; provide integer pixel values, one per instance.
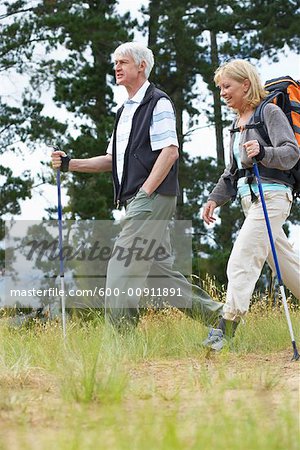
(143, 157)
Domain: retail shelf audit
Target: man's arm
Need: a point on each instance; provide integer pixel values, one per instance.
(161, 168)
(88, 165)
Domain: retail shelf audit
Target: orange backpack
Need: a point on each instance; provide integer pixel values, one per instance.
(291, 99)
(284, 92)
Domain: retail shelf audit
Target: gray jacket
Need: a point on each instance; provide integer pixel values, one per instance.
(283, 155)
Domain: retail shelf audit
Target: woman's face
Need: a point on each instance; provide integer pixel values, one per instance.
(233, 92)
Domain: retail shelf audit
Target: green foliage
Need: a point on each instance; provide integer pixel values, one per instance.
(13, 189)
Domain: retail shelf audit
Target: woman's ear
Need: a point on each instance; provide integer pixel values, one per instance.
(246, 85)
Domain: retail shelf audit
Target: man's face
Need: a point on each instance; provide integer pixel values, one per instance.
(126, 71)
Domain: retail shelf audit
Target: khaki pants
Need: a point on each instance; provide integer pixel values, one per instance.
(147, 219)
(252, 248)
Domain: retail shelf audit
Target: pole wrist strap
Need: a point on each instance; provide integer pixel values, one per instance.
(65, 160)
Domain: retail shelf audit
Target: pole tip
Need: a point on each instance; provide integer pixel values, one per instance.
(296, 355)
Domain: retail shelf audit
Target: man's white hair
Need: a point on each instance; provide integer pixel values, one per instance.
(138, 52)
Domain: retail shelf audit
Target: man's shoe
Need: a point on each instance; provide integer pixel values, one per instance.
(218, 345)
(215, 339)
(214, 335)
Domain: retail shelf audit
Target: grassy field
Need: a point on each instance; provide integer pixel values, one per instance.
(154, 388)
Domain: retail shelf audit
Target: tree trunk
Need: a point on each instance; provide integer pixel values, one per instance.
(153, 26)
(217, 100)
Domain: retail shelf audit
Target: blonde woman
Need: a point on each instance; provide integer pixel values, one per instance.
(242, 91)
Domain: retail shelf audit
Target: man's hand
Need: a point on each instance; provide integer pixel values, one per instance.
(208, 211)
(56, 158)
(60, 161)
(161, 168)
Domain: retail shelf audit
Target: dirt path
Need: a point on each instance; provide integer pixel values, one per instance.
(34, 403)
(174, 371)
(275, 376)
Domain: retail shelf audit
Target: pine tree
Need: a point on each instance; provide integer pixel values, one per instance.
(76, 40)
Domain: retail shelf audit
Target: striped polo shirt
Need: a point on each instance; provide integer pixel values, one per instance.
(162, 129)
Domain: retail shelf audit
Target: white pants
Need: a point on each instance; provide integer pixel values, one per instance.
(252, 248)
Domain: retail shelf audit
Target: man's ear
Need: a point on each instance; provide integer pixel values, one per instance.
(142, 66)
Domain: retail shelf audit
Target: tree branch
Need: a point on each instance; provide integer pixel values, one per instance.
(20, 11)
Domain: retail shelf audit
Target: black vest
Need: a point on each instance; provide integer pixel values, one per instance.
(139, 158)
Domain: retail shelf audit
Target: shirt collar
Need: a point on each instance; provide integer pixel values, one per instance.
(138, 97)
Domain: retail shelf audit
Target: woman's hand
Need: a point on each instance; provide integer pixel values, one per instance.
(208, 210)
(252, 148)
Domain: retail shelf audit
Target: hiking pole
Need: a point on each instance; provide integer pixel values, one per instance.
(296, 355)
(61, 260)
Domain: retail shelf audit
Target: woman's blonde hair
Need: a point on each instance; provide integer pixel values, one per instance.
(241, 70)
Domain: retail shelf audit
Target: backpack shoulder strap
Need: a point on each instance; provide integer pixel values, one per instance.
(258, 117)
(233, 128)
